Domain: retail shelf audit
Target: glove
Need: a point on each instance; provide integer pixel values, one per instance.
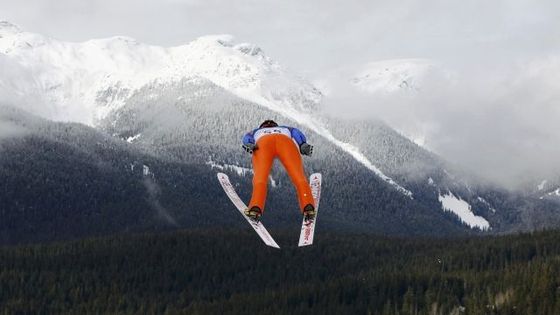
(250, 147)
(306, 149)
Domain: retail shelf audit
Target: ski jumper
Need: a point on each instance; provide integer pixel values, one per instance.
(277, 142)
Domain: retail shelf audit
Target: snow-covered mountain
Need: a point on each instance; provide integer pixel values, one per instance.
(190, 104)
(85, 81)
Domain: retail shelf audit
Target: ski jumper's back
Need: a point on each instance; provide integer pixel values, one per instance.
(282, 142)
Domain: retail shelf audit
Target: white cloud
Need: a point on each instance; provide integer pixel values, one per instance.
(499, 121)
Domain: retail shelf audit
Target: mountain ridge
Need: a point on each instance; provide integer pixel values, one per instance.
(241, 69)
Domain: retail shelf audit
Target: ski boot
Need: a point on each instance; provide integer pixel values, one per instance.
(309, 212)
(254, 213)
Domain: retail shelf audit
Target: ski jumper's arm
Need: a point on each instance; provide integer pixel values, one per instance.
(248, 138)
(298, 136)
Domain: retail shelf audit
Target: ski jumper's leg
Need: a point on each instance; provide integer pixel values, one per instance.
(263, 158)
(291, 159)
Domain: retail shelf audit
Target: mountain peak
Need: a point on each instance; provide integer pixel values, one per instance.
(228, 41)
(249, 49)
(225, 40)
(393, 75)
(7, 28)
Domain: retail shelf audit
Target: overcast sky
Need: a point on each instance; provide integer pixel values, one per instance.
(501, 119)
(310, 35)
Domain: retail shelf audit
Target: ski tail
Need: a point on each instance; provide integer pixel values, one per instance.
(308, 226)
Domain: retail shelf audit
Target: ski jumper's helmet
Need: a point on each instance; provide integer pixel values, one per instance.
(268, 123)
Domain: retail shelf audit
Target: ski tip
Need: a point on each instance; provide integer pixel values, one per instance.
(222, 175)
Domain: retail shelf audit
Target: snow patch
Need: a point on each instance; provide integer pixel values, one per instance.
(541, 185)
(462, 209)
(431, 182)
(419, 140)
(146, 171)
(133, 138)
(272, 182)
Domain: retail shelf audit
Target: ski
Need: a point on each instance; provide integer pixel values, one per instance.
(257, 225)
(308, 226)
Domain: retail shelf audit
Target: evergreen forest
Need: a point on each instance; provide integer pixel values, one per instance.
(232, 272)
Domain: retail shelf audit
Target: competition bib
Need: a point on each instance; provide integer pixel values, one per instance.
(271, 131)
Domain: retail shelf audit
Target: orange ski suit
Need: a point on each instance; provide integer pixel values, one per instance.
(282, 146)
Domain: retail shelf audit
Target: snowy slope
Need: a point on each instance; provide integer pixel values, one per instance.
(88, 80)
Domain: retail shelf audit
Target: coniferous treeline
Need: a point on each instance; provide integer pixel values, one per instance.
(55, 189)
(213, 272)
